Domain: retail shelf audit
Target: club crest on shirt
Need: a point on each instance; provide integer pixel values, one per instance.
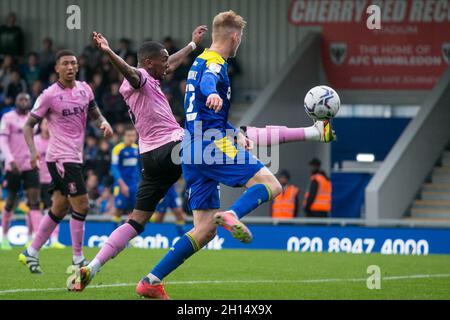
(72, 187)
(83, 93)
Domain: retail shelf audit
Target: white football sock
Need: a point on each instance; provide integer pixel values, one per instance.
(153, 279)
(32, 252)
(94, 265)
(312, 133)
(77, 259)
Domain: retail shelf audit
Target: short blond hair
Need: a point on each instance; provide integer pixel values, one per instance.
(226, 21)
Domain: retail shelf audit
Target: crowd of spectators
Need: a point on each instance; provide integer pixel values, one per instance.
(33, 71)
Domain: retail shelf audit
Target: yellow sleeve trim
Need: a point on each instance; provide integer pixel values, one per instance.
(116, 150)
(211, 57)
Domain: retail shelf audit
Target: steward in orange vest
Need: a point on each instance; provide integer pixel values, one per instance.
(317, 201)
(285, 205)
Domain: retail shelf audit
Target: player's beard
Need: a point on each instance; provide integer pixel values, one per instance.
(23, 110)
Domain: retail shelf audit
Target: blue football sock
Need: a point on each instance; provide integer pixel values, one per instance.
(180, 229)
(251, 199)
(183, 249)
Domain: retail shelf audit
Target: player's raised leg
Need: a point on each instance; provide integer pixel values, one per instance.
(262, 187)
(159, 173)
(151, 286)
(275, 135)
(116, 242)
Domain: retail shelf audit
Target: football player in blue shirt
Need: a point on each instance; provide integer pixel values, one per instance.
(125, 169)
(214, 152)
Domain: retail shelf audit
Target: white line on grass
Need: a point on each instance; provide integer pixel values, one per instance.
(101, 286)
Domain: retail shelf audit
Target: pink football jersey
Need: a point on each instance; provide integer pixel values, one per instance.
(66, 110)
(151, 113)
(11, 128)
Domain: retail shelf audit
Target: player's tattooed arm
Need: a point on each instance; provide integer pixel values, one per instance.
(99, 120)
(130, 73)
(177, 58)
(28, 132)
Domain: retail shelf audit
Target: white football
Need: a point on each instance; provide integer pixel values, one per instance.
(322, 103)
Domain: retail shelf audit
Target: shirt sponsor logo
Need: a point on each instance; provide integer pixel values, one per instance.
(130, 162)
(214, 67)
(72, 112)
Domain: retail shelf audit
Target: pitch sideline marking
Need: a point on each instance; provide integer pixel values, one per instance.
(101, 286)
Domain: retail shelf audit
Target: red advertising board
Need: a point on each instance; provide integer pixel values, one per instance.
(411, 50)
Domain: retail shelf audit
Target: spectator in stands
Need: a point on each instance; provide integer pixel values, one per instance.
(182, 71)
(90, 153)
(317, 201)
(93, 56)
(84, 72)
(98, 85)
(131, 60)
(285, 205)
(105, 203)
(52, 78)
(93, 192)
(109, 73)
(169, 44)
(16, 86)
(36, 89)
(115, 139)
(6, 70)
(12, 40)
(6, 105)
(103, 160)
(114, 107)
(124, 49)
(121, 127)
(47, 58)
(31, 71)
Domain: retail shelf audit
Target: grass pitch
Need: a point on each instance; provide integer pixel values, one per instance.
(236, 274)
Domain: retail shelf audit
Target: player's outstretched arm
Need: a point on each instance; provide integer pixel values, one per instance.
(100, 121)
(176, 58)
(130, 73)
(28, 132)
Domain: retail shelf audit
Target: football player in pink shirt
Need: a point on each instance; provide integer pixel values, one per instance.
(66, 105)
(159, 136)
(18, 168)
(41, 141)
